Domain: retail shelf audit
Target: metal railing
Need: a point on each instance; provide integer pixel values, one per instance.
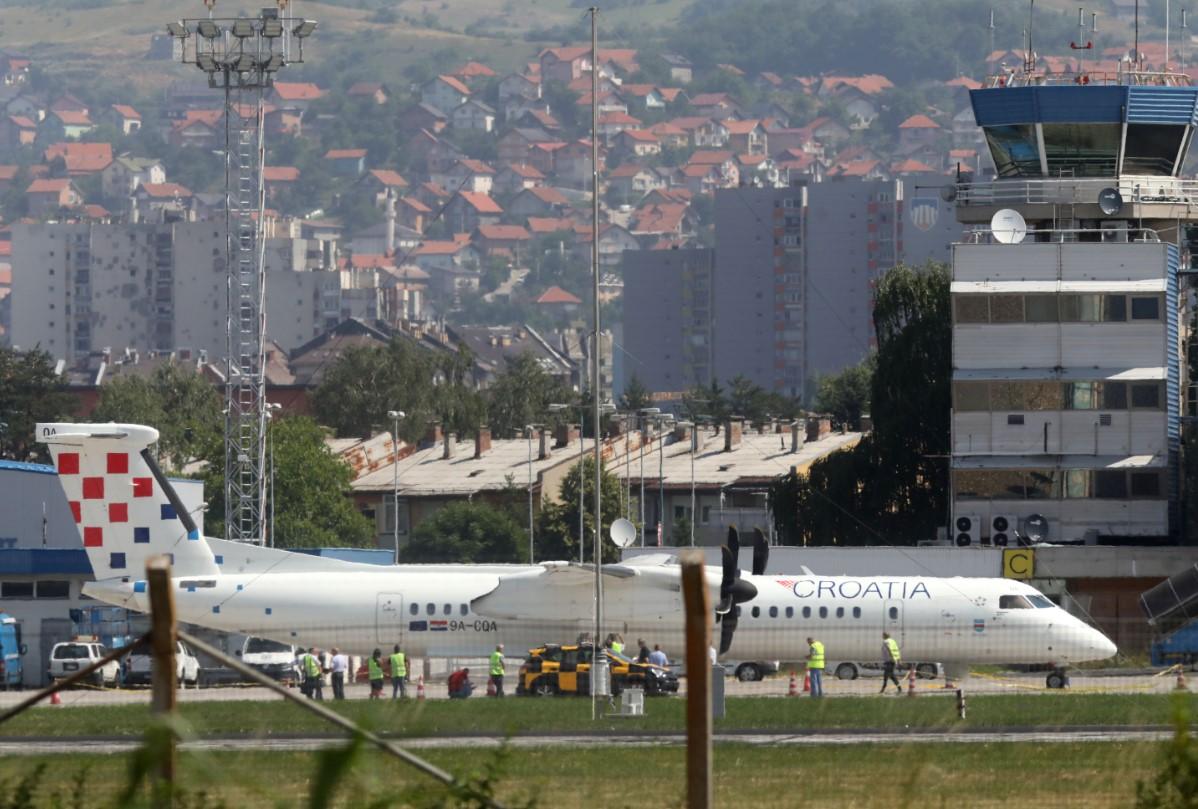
(1077, 190)
(984, 235)
(1040, 78)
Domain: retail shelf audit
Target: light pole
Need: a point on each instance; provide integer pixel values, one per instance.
(395, 416)
(662, 423)
(271, 409)
(646, 412)
(692, 426)
(242, 56)
(529, 430)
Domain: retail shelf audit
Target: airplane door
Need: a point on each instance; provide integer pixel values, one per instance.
(892, 621)
(389, 618)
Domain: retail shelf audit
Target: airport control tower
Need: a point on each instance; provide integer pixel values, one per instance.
(1068, 321)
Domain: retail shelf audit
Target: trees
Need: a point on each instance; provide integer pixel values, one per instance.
(183, 406)
(310, 485)
(557, 527)
(893, 486)
(845, 396)
(635, 396)
(30, 392)
(469, 532)
(521, 395)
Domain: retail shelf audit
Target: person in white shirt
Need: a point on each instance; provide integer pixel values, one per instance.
(340, 669)
(658, 658)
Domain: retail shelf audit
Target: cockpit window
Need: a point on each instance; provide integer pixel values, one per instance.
(1013, 603)
(1040, 601)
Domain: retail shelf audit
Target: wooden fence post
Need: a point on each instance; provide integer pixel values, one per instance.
(696, 604)
(162, 645)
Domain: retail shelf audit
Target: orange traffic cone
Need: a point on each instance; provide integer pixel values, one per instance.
(420, 688)
(55, 699)
(490, 688)
(793, 691)
(911, 682)
(1181, 680)
(807, 683)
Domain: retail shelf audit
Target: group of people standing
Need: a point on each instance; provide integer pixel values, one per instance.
(656, 657)
(397, 668)
(891, 657)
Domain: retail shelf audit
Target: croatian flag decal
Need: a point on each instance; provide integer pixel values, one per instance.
(979, 625)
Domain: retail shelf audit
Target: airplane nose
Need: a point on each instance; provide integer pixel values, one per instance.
(1103, 647)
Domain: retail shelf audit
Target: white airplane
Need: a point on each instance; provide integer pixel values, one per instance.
(127, 511)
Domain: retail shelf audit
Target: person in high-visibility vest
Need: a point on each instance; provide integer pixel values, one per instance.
(313, 675)
(399, 674)
(815, 666)
(890, 660)
(497, 670)
(374, 670)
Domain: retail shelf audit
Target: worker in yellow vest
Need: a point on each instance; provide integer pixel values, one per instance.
(815, 666)
(374, 672)
(890, 660)
(497, 670)
(399, 674)
(313, 674)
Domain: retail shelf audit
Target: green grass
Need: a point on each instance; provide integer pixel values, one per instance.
(890, 776)
(527, 715)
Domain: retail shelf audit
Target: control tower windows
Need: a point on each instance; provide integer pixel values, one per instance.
(1152, 148)
(1014, 150)
(1082, 150)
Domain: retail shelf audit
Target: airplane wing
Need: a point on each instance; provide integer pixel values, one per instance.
(556, 589)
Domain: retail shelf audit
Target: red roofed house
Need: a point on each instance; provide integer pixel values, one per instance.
(379, 182)
(453, 266)
(670, 136)
(125, 173)
(508, 240)
(467, 210)
(702, 132)
(162, 202)
(638, 142)
(293, 95)
(539, 201)
(278, 178)
(865, 169)
(473, 114)
(75, 123)
(197, 128)
(127, 119)
(444, 92)
(917, 132)
(630, 181)
(412, 213)
(564, 65)
(373, 90)
(544, 225)
(572, 164)
(466, 175)
(858, 93)
(17, 131)
(518, 85)
(45, 197)
(347, 162)
(80, 158)
(515, 178)
(556, 299)
(661, 219)
(473, 74)
(746, 137)
(8, 173)
(613, 123)
(910, 166)
(715, 105)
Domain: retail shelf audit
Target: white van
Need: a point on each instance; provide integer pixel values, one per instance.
(274, 659)
(139, 666)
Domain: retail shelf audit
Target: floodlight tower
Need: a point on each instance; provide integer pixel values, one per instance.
(241, 56)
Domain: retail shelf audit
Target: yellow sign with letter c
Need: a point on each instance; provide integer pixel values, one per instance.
(1018, 563)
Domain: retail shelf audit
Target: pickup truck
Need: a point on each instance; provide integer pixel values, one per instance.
(139, 666)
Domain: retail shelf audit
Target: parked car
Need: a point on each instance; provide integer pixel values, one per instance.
(566, 669)
(846, 670)
(68, 657)
(274, 659)
(139, 666)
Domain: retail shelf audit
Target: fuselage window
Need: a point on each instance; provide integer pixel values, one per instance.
(773, 612)
(806, 612)
(840, 612)
(856, 612)
(823, 612)
(1040, 601)
(447, 609)
(894, 613)
(756, 612)
(465, 609)
(1013, 603)
(430, 609)
(790, 612)
(414, 609)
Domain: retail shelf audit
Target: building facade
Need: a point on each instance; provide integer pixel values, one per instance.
(1067, 377)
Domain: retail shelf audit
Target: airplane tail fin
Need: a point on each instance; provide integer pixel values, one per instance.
(125, 508)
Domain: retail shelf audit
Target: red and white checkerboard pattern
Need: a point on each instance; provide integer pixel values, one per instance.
(105, 497)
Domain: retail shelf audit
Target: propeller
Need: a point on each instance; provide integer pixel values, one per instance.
(733, 590)
(761, 552)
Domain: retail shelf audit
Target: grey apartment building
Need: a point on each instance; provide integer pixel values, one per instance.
(788, 288)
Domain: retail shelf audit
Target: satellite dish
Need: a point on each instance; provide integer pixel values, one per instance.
(948, 193)
(1036, 528)
(623, 532)
(1110, 201)
(1008, 226)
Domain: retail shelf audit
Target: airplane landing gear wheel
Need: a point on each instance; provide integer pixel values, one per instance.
(1057, 679)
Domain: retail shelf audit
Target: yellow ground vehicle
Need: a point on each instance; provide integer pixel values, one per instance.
(566, 669)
